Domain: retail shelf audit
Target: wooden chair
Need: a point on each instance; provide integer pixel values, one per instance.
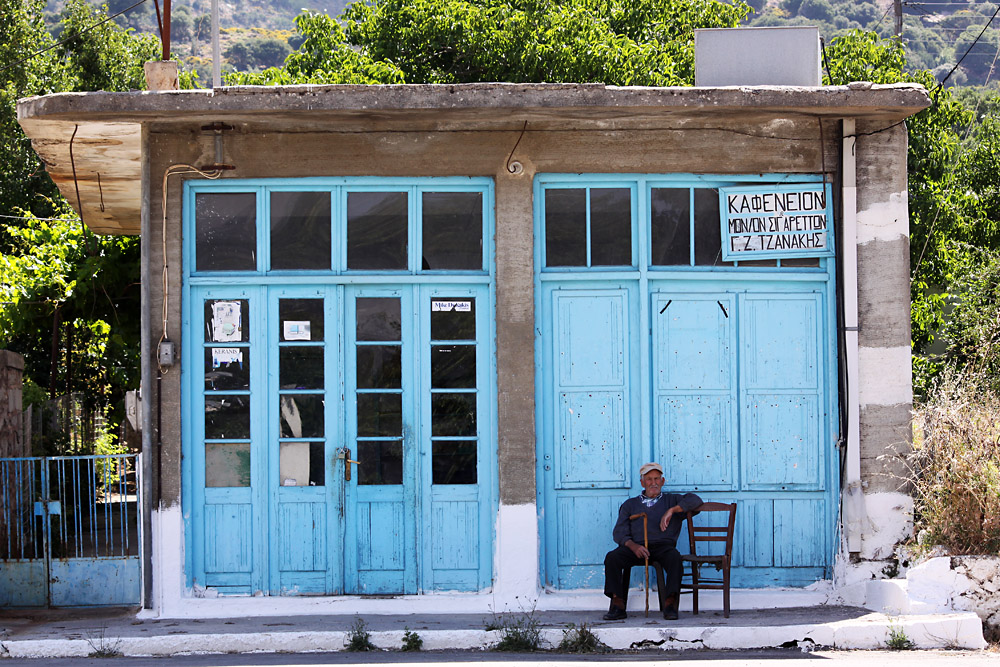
(715, 531)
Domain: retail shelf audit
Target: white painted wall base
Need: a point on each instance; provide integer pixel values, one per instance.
(515, 589)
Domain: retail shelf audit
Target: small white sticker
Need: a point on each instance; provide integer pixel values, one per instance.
(297, 330)
(290, 481)
(227, 325)
(223, 356)
(451, 306)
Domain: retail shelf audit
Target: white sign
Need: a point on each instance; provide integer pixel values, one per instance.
(778, 221)
(223, 356)
(226, 322)
(296, 330)
(451, 306)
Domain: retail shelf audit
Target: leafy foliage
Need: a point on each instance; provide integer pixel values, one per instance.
(60, 276)
(411, 641)
(954, 194)
(516, 631)
(581, 640)
(71, 299)
(618, 42)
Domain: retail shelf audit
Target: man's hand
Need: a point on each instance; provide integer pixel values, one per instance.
(639, 550)
(665, 521)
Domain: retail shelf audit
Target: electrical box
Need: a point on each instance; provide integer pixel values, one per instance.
(166, 353)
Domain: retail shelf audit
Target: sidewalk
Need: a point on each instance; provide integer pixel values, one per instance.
(79, 633)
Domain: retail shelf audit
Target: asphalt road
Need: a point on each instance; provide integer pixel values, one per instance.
(763, 658)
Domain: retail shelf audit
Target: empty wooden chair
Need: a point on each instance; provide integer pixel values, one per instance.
(715, 523)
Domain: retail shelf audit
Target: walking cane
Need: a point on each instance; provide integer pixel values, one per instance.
(645, 543)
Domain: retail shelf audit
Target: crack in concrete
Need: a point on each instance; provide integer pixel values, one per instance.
(806, 644)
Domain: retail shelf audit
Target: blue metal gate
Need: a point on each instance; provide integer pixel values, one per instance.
(69, 531)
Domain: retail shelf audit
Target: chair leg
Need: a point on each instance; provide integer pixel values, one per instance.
(725, 591)
(694, 587)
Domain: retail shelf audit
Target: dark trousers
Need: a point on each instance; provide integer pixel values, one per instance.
(616, 562)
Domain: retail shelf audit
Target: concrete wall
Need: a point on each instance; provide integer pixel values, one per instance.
(693, 143)
(748, 144)
(11, 410)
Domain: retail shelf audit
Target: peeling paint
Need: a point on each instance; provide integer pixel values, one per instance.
(884, 221)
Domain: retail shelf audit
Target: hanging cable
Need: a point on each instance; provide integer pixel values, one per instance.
(981, 33)
(173, 170)
(73, 36)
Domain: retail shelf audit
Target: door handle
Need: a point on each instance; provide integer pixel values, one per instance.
(345, 454)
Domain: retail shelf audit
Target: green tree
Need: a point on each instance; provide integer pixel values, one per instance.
(954, 200)
(979, 63)
(68, 295)
(618, 42)
(65, 285)
(22, 35)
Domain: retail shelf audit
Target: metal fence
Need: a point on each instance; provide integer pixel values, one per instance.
(69, 530)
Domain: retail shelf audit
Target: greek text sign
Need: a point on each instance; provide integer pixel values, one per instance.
(777, 221)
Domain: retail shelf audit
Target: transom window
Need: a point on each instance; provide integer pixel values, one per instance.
(592, 223)
(329, 226)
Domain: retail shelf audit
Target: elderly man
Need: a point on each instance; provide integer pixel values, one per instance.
(664, 514)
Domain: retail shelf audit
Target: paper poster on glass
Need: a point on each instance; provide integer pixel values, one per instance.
(227, 322)
(296, 329)
(776, 221)
(451, 306)
(224, 356)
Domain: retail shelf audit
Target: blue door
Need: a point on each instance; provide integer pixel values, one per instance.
(650, 348)
(338, 385)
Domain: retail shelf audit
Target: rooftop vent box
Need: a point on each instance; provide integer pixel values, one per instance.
(782, 56)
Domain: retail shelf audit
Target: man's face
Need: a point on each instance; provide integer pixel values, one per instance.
(652, 482)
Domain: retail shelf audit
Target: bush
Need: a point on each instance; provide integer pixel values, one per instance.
(358, 638)
(955, 465)
(519, 631)
(581, 640)
(412, 641)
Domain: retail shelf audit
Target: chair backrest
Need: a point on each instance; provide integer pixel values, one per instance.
(714, 530)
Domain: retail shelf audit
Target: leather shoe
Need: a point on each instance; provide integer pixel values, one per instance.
(615, 614)
(670, 614)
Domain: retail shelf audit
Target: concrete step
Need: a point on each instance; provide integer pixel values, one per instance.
(79, 634)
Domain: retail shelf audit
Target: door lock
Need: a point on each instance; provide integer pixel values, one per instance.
(345, 454)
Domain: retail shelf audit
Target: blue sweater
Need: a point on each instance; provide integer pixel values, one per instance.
(626, 529)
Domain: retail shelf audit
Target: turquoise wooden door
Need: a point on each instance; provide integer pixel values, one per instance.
(592, 425)
(304, 421)
(345, 442)
(694, 381)
(724, 372)
(339, 395)
(380, 514)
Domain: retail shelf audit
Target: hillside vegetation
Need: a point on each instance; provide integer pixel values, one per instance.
(936, 34)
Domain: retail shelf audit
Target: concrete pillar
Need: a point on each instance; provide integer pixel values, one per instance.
(12, 442)
(885, 382)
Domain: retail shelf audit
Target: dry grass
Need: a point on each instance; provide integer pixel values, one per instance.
(955, 467)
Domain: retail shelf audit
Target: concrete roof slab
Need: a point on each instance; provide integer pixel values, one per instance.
(107, 147)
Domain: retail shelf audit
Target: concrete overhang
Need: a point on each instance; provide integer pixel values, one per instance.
(106, 152)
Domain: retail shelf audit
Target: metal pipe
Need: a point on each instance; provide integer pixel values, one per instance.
(853, 501)
(216, 48)
(145, 498)
(166, 29)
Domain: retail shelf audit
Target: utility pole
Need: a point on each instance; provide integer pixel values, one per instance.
(897, 10)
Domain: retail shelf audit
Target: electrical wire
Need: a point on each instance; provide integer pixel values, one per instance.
(941, 83)
(879, 25)
(173, 170)
(32, 217)
(73, 36)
